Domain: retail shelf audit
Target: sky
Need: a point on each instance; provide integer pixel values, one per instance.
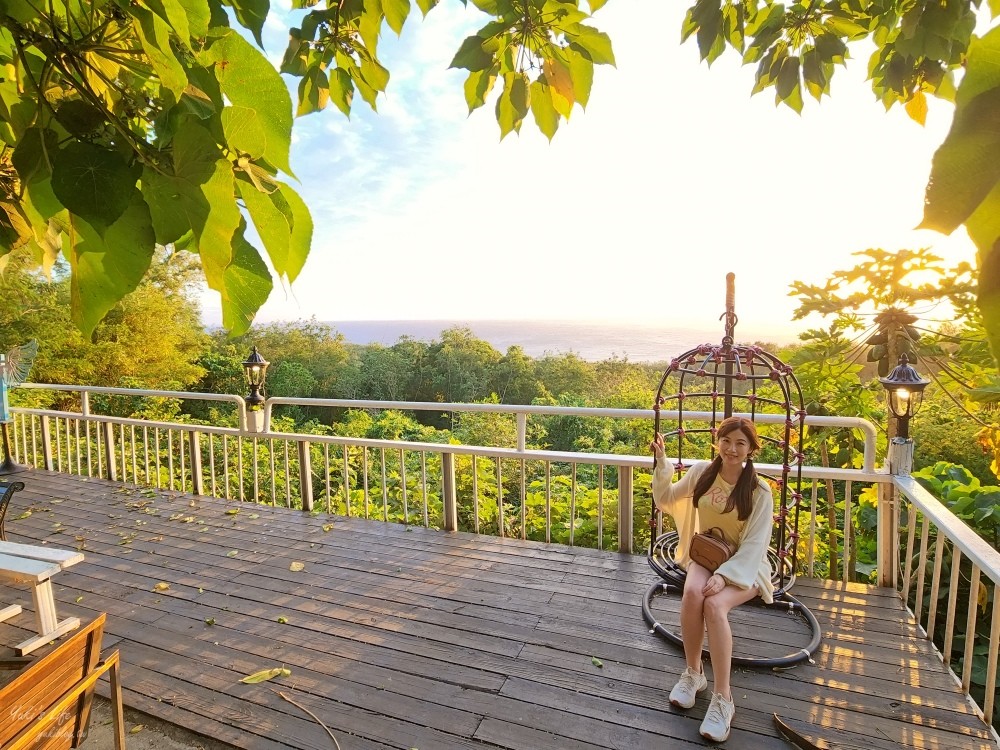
(673, 177)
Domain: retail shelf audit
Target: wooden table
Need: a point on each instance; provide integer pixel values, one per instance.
(26, 563)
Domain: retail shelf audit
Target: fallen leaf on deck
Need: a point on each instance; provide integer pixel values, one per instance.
(283, 620)
(232, 511)
(161, 586)
(232, 553)
(137, 728)
(266, 674)
(327, 526)
(596, 662)
(296, 566)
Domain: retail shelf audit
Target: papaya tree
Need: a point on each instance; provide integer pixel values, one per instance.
(131, 124)
(919, 49)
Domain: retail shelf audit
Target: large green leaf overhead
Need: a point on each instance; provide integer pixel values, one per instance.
(127, 125)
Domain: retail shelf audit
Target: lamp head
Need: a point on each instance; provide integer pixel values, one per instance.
(904, 389)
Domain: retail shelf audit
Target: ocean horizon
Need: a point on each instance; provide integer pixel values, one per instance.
(593, 341)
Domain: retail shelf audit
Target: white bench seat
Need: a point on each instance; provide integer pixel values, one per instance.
(26, 563)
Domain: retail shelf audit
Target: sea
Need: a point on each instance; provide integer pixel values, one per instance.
(589, 340)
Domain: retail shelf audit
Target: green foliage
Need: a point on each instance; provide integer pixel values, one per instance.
(152, 338)
(965, 496)
(125, 126)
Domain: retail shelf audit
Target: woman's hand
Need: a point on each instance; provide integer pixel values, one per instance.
(657, 447)
(713, 585)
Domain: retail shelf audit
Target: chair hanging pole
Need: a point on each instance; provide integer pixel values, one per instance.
(728, 340)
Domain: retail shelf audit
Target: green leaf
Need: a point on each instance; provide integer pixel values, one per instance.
(426, 5)
(396, 12)
(596, 5)
(272, 217)
(31, 157)
(375, 74)
(251, 14)
(472, 56)
(787, 86)
(249, 80)
(595, 44)
(341, 90)
(79, 117)
(294, 61)
(478, 86)
(965, 170)
(244, 131)
(107, 268)
(581, 69)
(93, 182)
(314, 91)
(302, 233)
(512, 106)
(362, 86)
(199, 195)
(246, 285)
(198, 16)
(542, 108)
(154, 35)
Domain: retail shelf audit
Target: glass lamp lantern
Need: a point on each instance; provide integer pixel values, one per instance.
(904, 393)
(255, 369)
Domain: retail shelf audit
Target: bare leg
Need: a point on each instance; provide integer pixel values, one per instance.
(720, 636)
(693, 615)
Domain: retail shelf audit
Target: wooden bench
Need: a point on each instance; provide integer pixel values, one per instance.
(27, 563)
(7, 490)
(47, 704)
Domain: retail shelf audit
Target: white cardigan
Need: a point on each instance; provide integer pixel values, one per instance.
(749, 564)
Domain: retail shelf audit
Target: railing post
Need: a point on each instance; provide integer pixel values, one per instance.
(448, 494)
(109, 451)
(522, 430)
(305, 476)
(194, 448)
(625, 509)
(900, 461)
(47, 444)
(885, 553)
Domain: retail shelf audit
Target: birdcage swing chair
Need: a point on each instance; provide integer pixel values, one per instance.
(703, 386)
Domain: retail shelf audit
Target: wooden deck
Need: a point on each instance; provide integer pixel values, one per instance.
(411, 638)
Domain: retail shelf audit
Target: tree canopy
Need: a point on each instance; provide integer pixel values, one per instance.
(132, 124)
(921, 48)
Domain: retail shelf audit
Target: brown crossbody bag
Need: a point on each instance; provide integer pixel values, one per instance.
(709, 550)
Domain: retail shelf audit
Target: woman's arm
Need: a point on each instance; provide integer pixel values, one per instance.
(667, 493)
(741, 569)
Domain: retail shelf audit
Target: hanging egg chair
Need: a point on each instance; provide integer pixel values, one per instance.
(703, 386)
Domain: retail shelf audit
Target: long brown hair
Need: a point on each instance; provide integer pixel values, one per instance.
(741, 497)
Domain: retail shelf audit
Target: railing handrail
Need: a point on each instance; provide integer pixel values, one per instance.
(866, 427)
(526, 454)
(109, 390)
(963, 536)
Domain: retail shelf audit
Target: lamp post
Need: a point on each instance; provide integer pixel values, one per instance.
(255, 369)
(904, 394)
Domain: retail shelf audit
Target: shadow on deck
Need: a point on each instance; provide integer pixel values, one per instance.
(404, 637)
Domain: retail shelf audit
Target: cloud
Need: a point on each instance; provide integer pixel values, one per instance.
(638, 208)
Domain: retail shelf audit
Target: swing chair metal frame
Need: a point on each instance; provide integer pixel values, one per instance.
(722, 377)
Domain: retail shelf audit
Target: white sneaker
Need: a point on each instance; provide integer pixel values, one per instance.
(719, 716)
(687, 688)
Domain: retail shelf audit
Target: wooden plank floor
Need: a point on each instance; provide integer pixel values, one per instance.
(403, 637)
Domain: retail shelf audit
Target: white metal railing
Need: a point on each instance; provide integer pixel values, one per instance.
(571, 497)
(935, 594)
